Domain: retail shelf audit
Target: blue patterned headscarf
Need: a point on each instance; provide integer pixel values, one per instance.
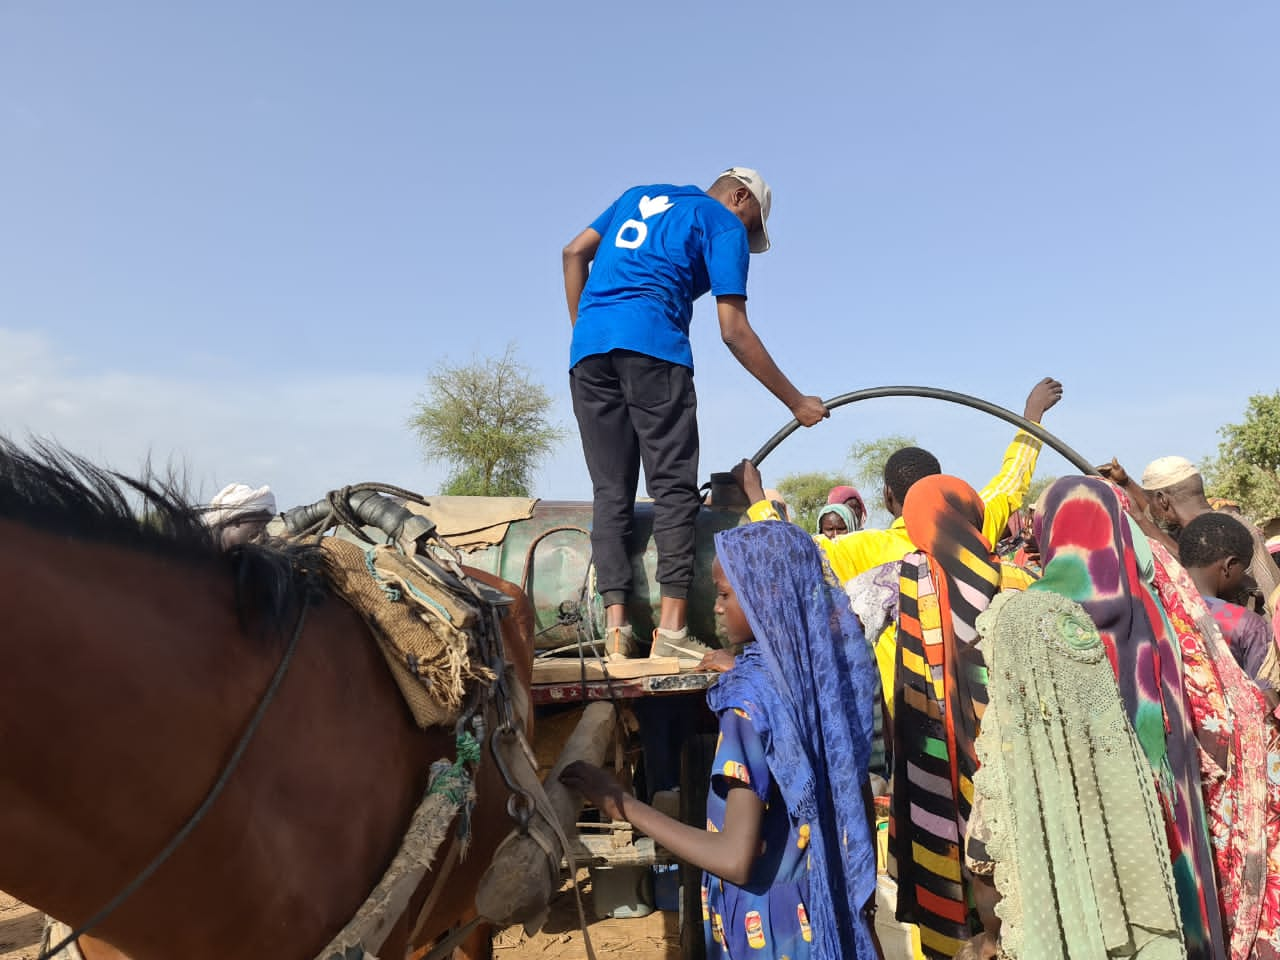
(809, 683)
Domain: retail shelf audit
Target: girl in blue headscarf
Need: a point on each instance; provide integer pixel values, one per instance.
(788, 849)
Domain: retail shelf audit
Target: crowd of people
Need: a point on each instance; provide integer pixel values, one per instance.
(1070, 706)
(1071, 709)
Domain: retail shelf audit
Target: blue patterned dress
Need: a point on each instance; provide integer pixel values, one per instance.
(768, 917)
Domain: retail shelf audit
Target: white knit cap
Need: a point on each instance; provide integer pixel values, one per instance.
(239, 500)
(1167, 471)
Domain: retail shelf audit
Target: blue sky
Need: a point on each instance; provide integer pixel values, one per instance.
(238, 236)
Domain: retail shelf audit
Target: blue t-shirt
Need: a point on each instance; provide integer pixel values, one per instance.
(662, 247)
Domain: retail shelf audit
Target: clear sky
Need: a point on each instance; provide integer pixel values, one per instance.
(239, 235)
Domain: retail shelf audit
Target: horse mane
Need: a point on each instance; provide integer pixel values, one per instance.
(51, 489)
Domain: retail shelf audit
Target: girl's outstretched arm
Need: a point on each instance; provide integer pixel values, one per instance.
(728, 854)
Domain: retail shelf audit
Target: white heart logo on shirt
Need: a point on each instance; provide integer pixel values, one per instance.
(649, 206)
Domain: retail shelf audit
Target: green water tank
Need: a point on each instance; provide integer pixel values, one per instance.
(558, 576)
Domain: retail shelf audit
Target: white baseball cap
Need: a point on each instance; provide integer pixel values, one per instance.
(752, 180)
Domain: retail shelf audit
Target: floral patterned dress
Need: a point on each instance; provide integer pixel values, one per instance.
(1239, 749)
(768, 916)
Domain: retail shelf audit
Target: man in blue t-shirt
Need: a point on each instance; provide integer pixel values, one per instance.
(630, 281)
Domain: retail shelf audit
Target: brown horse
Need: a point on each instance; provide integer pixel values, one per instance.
(132, 654)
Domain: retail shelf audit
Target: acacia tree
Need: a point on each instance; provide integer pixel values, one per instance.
(868, 458)
(488, 420)
(1247, 467)
(1038, 486)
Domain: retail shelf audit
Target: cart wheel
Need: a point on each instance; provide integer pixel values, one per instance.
(696, 757)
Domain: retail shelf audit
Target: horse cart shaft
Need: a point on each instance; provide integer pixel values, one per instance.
(519, 883)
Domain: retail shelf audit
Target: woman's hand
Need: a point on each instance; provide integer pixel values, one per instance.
(600, 788)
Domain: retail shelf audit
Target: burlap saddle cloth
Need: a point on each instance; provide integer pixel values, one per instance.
(423, 629)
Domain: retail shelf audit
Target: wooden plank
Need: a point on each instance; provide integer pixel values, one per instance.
(567, 670)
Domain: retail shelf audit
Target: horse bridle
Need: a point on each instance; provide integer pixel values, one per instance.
(351, 507)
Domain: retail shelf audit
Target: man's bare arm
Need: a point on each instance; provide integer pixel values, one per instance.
(746, 347)
(1138, 500)
(577, 258)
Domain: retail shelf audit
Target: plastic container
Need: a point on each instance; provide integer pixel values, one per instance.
(666, 886)
(621, 892)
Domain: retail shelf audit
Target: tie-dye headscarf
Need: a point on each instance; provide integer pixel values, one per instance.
(1093, 555)
(940, 680)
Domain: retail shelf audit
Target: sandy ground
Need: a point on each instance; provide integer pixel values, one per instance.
(20, 929)
(654, 937)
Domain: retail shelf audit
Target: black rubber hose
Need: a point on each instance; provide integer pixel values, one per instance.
(381, 513)
(298, 519)
(368, 506)
(935, 393)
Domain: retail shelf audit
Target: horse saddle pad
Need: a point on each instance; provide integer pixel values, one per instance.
(424, 629)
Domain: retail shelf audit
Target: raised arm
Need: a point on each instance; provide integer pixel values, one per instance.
(748, 476)
(747, 349)
(1007, 490)
(577, 258)
(844, 554)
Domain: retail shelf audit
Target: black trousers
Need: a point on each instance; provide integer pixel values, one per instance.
(634, 409)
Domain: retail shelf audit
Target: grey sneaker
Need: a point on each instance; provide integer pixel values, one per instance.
(619, 643)
(676, 643)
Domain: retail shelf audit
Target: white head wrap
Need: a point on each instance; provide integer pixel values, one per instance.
(1167, 471)
(239, 500)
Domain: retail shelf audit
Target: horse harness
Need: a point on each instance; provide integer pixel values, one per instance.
(489, 717)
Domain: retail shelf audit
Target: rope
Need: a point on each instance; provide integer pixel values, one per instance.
(527, 567)
(223, 778)
(454, 782)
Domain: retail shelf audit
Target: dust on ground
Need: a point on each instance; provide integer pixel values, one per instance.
(20, 930)
(656, 936)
